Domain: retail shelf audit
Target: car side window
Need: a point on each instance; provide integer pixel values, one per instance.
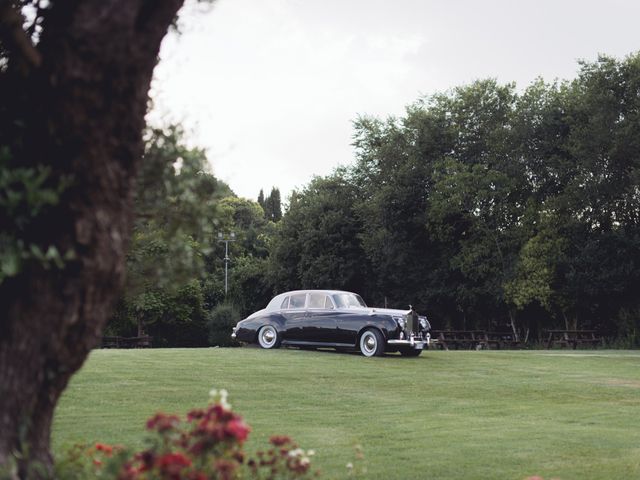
(317, 300)
(328, 304)
(285, 303)
(297, 300)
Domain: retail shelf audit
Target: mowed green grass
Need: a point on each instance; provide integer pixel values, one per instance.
(457, 414)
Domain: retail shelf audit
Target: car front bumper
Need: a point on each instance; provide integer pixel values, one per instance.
(417, 343)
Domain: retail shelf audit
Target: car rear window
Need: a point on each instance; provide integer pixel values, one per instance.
(297, 300)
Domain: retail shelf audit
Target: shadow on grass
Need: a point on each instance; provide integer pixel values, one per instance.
(339, 351)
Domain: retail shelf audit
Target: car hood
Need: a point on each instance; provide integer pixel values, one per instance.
(388, 311)
(396, 313)
(383, 311)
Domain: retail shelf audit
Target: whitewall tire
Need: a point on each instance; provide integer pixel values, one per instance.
(371, 343)
(268, 337)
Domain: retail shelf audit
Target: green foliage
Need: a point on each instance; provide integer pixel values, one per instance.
(241, 215)
(251, 285)
(173, 317)
(481, 206)
(536, 272)
(484, 206)
(273, 206)
(177, 211)
(220, 323)
(261, 198)
(317, 244)
(26, 195)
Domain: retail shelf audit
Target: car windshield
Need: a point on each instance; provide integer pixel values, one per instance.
(348, 300)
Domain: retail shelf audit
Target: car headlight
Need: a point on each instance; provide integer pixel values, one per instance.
(401, 322)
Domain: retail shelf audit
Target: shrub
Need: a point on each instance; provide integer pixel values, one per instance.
(220, 323)
(206, 445)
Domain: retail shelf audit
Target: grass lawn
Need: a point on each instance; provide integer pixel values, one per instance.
(458, 414)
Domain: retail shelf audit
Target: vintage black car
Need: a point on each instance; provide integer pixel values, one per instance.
(332, 318)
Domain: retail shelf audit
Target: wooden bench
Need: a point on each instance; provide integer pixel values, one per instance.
(467, 339)
(126, 342)
(573, 338)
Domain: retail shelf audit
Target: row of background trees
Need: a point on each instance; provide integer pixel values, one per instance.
(484, 207)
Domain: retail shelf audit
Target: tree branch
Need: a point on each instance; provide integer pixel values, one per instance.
(14, 38)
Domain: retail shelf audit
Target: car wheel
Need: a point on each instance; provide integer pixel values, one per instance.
(268, 337)
(411, 352)
(371, 343)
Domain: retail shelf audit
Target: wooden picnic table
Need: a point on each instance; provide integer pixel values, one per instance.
(126, 342)
(503, 340)
(468, 339)
(573, 338)
(474, 339)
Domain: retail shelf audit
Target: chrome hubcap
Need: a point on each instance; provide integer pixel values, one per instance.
(268, 336)
(370, 342)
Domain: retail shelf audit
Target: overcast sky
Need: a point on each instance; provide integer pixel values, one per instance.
(270, 87)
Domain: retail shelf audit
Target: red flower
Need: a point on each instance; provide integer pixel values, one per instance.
(225, 469)
(197, 476)
(129, 472)
(279, 440)
(217, 412)
(103, 447)
(147, 458)
(195, 414)
(162, 422)
(237, 429)
(171, 464)
(212, 440)
(173, 459)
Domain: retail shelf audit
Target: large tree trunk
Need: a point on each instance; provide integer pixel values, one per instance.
(82, 105)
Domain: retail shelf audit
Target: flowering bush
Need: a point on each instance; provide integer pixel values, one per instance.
(207, 445)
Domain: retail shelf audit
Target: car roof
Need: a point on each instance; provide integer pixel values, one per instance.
(275, 301)
(328, 292)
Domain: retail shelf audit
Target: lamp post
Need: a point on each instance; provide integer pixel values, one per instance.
(226, 240)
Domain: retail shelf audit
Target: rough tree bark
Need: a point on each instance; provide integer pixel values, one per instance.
(81, 97)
